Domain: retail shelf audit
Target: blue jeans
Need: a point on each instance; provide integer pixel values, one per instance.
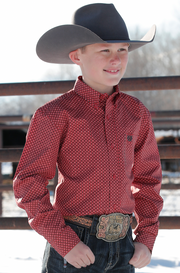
(109, 257)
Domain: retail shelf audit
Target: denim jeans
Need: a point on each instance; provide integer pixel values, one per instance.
(109, 257)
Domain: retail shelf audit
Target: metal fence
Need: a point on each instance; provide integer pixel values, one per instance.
(161, 120)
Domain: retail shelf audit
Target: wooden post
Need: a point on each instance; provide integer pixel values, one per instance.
(1, 178)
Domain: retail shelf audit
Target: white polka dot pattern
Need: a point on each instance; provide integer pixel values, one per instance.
(107, 158)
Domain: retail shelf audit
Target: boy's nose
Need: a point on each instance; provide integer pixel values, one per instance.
(115, 58)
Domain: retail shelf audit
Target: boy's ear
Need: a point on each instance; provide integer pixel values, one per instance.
(74, 56)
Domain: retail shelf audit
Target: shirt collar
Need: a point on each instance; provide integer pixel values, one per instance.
(92, 96)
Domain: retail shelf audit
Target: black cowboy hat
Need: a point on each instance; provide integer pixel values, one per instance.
(94, 23)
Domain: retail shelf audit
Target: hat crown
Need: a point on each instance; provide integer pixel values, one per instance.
(103, 20)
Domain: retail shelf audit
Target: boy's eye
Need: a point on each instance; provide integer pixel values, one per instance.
(122, 49)
(105, 50)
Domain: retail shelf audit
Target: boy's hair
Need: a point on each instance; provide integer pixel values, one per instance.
(83, 49)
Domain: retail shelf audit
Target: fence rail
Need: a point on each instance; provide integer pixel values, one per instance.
(166, 151)
(60, 87)
(168, 186)
(154, 114)
(166, 222)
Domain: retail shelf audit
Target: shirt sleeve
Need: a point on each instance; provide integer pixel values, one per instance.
(147, 183)
(38, 165)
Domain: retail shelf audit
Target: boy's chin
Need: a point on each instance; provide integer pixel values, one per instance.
(114, 82)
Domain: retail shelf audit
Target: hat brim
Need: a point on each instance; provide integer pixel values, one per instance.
(56, 44)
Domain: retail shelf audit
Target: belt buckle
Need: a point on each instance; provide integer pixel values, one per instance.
(112, 227)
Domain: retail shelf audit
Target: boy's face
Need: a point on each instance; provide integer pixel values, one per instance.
(102, 65)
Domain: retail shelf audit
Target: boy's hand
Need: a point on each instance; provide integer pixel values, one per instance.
(80, 256)
(141, 257)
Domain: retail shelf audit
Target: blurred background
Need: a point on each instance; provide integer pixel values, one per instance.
(22, 23)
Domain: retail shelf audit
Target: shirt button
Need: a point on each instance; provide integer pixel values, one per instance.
(112, 145)
(108, 117)
(114, 176)
(96, 106)
(114, 207)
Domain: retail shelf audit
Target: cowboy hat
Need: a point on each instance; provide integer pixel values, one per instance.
(94, 23)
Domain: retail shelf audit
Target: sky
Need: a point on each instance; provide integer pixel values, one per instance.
(23, 22)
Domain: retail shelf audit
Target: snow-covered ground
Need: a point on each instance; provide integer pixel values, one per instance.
(21, 251)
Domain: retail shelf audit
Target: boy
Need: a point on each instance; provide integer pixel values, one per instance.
(104, 146)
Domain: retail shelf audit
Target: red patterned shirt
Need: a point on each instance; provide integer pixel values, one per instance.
(107, 158)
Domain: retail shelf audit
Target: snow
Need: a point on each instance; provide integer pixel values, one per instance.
(6, 168)
(22, 250)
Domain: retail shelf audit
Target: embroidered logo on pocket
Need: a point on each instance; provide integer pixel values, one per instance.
(129, 137)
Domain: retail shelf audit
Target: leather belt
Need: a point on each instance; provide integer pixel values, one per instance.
(79, 220)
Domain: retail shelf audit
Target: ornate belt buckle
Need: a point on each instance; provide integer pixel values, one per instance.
(112, 227)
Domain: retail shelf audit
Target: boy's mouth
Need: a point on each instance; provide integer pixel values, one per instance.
(112, 71)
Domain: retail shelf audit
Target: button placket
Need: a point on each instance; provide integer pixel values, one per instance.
(107, 116)
(113, 164)
(112, 146)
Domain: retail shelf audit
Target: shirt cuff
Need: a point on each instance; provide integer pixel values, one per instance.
(146, 239)
(66, 240)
